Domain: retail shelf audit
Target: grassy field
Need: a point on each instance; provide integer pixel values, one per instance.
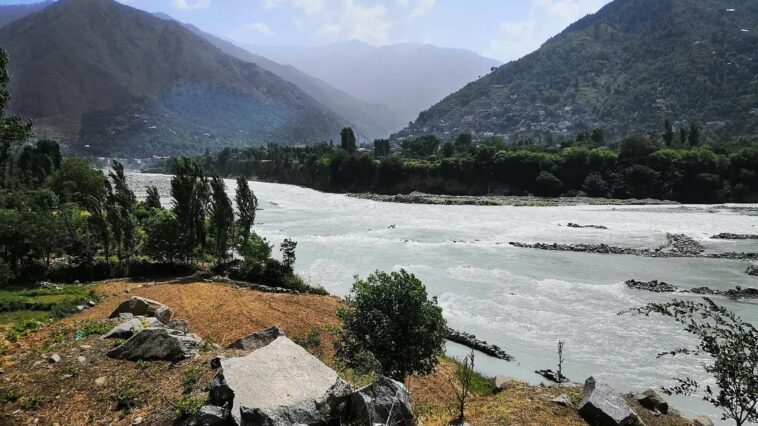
(43, 304)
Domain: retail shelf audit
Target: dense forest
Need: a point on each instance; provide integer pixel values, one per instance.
(675, 165)
(63, 220)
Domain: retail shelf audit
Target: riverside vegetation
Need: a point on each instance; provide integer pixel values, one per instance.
(679, 166)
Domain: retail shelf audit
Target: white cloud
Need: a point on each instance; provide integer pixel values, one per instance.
(545, 19)
(416, 8)
(261, 28)
(191, 4)
(308, 6)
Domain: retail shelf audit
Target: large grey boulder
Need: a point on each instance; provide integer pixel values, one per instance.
(157, 344)
(385, 401)
(211, 415)
(125, 330)
(258, 339)
(279, 384)
(653, 401)
(702, 421)
(601, 405)
(140, 306)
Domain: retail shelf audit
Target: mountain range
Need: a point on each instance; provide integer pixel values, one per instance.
(626, 68)
(407, 77)
(112, 80)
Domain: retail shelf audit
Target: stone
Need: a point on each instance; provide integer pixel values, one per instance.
(702, 421)
(652, 400)
(501, 382)
(125, 330)
(211, 415)
(92, 303)
(258, 339)
(123, 316)
(137, 421)
(157, 344)
(178, 324)
(154, 322)
(601, 405)
(280, 383)
(81, 359)
(80, 308)
(145, 307)
(385, 401)
(100, 381)
(563, 400)
(54, 358)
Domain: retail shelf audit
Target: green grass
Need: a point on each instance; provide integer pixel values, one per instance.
(47, 303)
(187, 406)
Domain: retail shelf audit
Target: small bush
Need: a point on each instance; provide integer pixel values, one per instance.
(187, 406)
(127, 395)
(31, 403)
(10, 395)
(311, 340)
(90, 327)
(190, 380)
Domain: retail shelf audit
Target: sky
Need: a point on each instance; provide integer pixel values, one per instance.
(500, 29)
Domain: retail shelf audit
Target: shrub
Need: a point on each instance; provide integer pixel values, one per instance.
(187, 406)
(31, 402)
(390, 317)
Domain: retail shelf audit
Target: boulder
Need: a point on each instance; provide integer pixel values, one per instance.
(652, 400)
(125, 330)
(563, 400)
(54, 358)
(211, 415)
(702, 421)
(178, 324)
(258, 339)
(501, 382)
(157, 344)
(145, 307)
(601, 405)
(385, 401)
(280, 383)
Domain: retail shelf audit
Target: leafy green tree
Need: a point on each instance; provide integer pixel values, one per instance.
(732, 345)
(161, 243)
(247, 204)
(153, 199)
(6, 273)
(421, 147)
(463, 142)
(597, 137)
(13, 132)
(120, 206)
(381, 148)
(548, 184)
(190, 191)
(76, 181)
(288, 254)
(595, 186)
(390, 319)
(682, 137)
(693, 138)
(221, 219)
(448, 149)
(347, 137)
(668, 133)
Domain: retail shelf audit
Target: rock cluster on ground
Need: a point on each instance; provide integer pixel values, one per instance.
(470, 341)
(601, 405)
(258, 339)
(653, 401)
(140, 306)
(146, 324)
(385, 401)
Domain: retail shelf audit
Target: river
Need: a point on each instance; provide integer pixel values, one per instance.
(523, 300)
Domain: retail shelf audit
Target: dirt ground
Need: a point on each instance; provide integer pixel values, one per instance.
(85, 387)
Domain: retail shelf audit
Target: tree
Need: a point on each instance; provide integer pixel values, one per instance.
(190, 191)
(682, 136)
(559, 374)
(381, 148)
(76, 181)
(288, 254)
(247, 203)
(120, 205)
(548, 184)
(348, 140)
(161, 243)
(597, 138)
(221, 219)
(595, 186)
(13, 132)
(694, 136)
(463, 142)
(448, 149)
(733, 348)
(390, 319)
(153, 200)
(461, 383)
(668, 133)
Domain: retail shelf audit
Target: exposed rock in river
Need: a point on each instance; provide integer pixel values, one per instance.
(728, 236)
(502, 200)
(656, 286)
(469, 340)
(575, 225)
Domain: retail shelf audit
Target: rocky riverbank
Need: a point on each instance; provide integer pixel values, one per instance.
(729, 236)
(498, 200)
(679, 245)
(470, 341)
(656, 286)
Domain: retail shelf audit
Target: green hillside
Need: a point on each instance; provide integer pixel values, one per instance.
(625, 69)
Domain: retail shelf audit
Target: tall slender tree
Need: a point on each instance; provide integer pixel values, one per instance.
(694, 136)
(153, 199)
(13, 132)
(668, 133)
(189, 188)
(348, 140)
(120, 206)
(247, 203)
(221, 219)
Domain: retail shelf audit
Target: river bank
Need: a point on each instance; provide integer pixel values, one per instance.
(503, 200)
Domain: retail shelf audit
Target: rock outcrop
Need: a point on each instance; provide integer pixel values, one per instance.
(385, 401)
(730, 236)
(470, 341)
(211, 415)
(140, 306)
(125, 330)
(258, 339)
(157, 344)
(601, 405)
(655, 286)
(576, 225)
(652, 400)
(280, 383)
(702, 421)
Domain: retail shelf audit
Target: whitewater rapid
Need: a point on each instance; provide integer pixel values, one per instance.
(523, 300)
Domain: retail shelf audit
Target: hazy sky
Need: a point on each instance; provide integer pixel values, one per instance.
(502, 29)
